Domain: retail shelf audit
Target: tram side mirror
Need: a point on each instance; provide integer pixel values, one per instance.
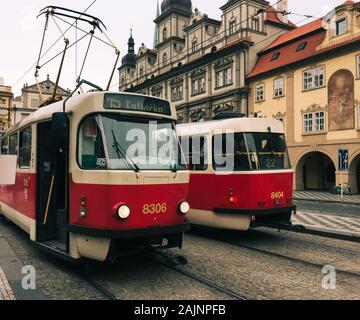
(60, 130)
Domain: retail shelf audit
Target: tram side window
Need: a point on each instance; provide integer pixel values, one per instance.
(195, 152)
(25, 148)
(4, 146)
(230, 152)
(91, 148)
(13, 144)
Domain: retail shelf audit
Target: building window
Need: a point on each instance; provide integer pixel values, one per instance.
(314, 122)
(177, 92)
(256, 24)
(279, 87)
(260, 92)
(358, 65)
(198, 86)
(194, 46)
(165, 34)
(301, 46)
(232, 27)
(314, 78)
(25, 148)
(275, 56)
(164, 59)
(141, 71)
(223, 77)
(341, 27)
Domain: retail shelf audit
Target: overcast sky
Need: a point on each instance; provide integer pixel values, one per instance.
(21, 35)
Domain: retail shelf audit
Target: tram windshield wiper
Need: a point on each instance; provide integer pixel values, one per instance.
(122, 154)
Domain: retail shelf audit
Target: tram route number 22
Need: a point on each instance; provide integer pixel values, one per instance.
(154, 208)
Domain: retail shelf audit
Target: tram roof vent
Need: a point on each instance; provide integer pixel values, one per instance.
(228, 115)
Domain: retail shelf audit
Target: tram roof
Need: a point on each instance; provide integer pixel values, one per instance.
(236, 124)
(89, 102)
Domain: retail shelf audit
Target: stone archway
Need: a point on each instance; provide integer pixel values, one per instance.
(315, 171)
(354, 175)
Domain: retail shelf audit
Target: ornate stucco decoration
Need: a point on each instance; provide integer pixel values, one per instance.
(157, 88)
(314, 108)
(176, 81)
(223, 62)
(198, 72)
(279, 115)
(227, 106)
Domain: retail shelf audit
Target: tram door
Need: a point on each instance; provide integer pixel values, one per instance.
(52, 168)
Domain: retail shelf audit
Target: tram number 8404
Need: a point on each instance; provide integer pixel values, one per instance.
(154, 208)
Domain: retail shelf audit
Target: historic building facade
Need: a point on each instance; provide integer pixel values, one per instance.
(309, 78)
(13, 110)
(6, 96)
(199, 63)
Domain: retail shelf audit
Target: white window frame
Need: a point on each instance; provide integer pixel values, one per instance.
(232, 27)
(177, 92)
(279, 87)
(194, 46)
(337, 22)
(314, 78)
(260, 92)
(255, 24)
(198, 86)
(314, 122)
(227, 76)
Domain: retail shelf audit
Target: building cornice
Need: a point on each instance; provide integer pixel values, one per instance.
(168, 40)
(232, 2)
(203, 20)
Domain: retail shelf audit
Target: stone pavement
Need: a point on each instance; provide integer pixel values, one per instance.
(6, 293)
(339, 225)
(324, 196)
(11, 275)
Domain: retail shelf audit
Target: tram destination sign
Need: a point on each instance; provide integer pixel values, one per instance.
(136, 103)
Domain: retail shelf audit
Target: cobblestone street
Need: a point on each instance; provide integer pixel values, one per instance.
(252, 264)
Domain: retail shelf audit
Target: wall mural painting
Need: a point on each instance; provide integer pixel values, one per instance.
(341, 101)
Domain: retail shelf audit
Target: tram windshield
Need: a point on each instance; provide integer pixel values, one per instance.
(116, 142)
(250, 151)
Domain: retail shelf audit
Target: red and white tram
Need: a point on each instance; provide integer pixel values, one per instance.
(76, 190)
(241, 175)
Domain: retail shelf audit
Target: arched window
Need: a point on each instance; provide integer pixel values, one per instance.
(165, 35)
(141, 71)
(164, 58)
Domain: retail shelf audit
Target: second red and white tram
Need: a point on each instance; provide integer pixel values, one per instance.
(241, 175)
(78, 191)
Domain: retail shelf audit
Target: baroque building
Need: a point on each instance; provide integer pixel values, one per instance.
(309, 78)
(199, 63)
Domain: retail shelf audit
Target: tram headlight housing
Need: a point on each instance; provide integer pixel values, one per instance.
(184, 207)
(123, 211)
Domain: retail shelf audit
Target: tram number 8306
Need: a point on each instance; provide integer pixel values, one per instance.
(154, 208)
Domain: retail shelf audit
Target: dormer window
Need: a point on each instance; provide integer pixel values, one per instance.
(275, 56)
(341, 26)
(301, 46)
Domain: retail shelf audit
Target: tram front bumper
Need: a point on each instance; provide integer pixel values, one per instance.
(129, 234)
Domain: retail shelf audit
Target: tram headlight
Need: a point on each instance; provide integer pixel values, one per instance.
(184, 207)
(123, 211)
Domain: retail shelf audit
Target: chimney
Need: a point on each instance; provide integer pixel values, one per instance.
(283, 7)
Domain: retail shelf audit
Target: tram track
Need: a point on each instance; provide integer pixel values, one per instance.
(172, 262)
(281, 256)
